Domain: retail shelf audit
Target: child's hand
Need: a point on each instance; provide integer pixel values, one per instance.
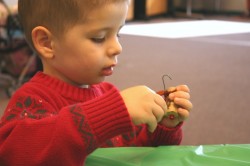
(144, 106)
(181, 98)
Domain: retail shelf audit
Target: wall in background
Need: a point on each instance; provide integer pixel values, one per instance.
(154, 7)
(11, 2)
(225, 5)
(238, 5)
(141, 9)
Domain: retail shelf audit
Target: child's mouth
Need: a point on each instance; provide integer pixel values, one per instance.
(107, 71)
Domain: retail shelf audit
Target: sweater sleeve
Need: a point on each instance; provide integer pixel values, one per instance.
(160, 137)
(167, 136)
(32, 132)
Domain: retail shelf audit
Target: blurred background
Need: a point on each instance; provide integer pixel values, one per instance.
(204, 44)
(11, 2)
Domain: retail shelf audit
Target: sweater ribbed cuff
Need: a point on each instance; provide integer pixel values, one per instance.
(163, 134)
(108, 115)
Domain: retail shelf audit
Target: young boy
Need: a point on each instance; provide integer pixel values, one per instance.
(66, 112)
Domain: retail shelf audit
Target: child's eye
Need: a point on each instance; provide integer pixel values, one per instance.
(98, 40)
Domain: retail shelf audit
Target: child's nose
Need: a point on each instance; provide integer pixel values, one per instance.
(115, 48)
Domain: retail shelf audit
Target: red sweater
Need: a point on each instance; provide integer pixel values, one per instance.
(49, 122)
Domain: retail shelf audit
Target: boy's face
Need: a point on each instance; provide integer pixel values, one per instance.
(88, 51)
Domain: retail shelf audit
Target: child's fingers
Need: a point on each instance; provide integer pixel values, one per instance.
(184, 88)
(179, 94)
(161, 102)
(152, 123)
(184, 114)
(158, 112)
(184, 103)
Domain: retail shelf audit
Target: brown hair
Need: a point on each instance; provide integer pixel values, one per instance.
(55, 15)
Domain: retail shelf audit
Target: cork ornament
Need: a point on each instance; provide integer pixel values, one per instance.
(171, 112)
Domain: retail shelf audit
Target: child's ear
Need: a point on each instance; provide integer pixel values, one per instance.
(42, 40)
